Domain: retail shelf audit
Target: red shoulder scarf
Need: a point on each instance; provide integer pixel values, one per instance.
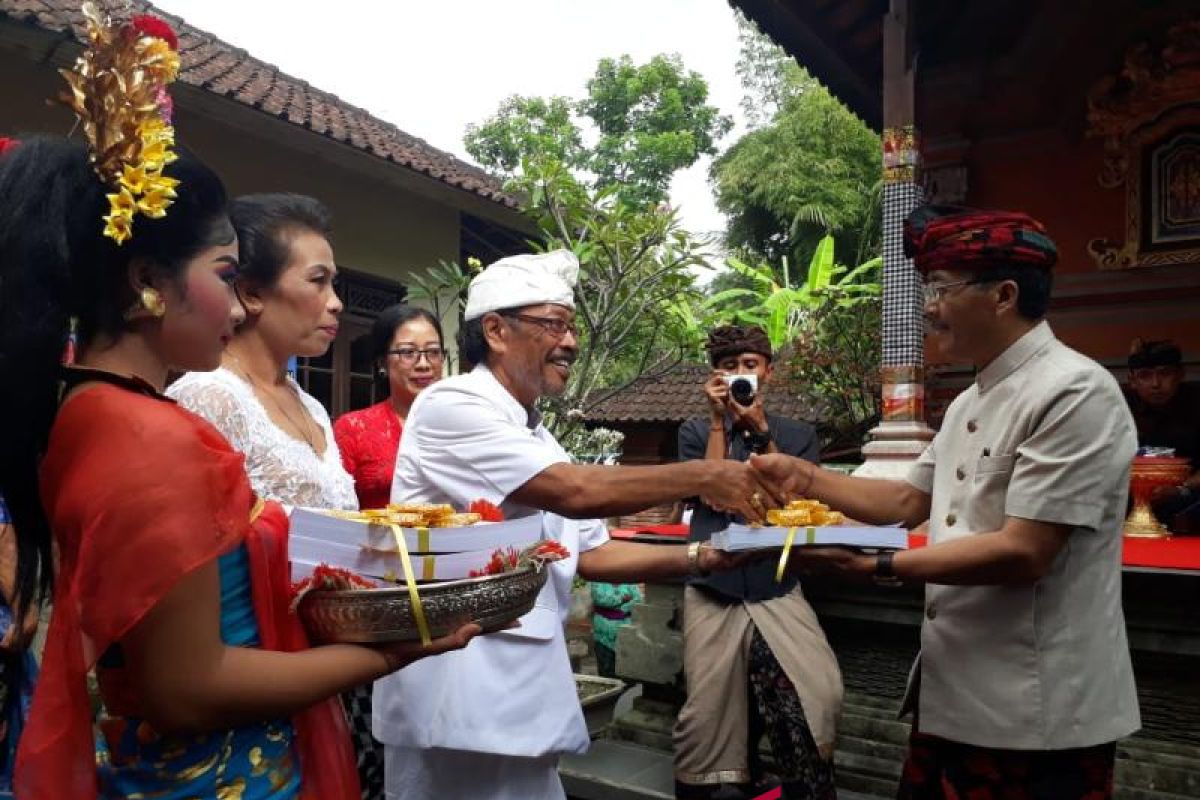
(139, 493)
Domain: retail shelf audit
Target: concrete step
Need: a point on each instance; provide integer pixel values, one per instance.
(615, 770)
(867, 747)
(886, 705)
(1128, 793)
(1182, 780)
(874, 727)
(852, 785)
(870, 766)
(1158, 750)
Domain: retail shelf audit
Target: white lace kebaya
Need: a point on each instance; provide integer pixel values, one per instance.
(281, 467)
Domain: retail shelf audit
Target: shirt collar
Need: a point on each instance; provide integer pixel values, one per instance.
(512, 407)
(1017, 354)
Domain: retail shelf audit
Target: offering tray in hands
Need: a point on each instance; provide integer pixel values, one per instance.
(737, 538)
(364, 616)
(808, 523)
(336, 605)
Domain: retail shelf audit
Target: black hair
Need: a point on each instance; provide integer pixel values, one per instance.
(391, 318)
(473, 346)
(1155, 353)
(1034, 285)
(265, 226)
(384, 328)
(56, 264)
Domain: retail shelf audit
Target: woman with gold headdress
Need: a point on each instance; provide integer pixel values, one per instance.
(172, 579)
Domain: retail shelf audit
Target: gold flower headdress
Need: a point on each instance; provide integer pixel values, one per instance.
(118, 89)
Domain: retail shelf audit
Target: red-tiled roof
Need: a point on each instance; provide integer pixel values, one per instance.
(677, 396)
(218, 67)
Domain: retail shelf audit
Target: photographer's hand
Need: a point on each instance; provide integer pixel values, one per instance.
(752, 417)
(716, 391)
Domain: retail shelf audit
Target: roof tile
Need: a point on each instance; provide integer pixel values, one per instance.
(219, 67)
(677, 396)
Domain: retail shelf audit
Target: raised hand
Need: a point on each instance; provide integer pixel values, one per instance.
(716, 391)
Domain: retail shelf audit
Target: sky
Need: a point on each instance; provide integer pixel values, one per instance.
(431, 67)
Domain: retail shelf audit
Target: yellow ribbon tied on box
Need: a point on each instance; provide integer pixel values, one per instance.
(410, 580)
(810, 537)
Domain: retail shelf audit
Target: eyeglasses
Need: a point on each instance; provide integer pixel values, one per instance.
(556, 327)
(411, 355)
(935, 292)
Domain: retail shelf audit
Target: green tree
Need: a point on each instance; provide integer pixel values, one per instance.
(811, 169)
(651, 121)
(522, 127)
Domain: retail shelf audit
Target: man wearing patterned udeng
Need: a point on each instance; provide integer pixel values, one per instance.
(1024, 682)
(493, 723)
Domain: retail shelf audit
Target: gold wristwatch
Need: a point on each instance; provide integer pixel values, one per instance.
(693, 557)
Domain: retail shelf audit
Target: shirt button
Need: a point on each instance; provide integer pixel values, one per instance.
(951, 519)
(960, 473)
(930, 611)
(971, 426)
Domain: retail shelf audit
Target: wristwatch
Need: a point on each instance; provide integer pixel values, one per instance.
(693, 560)
(885, 573)
(758, 442)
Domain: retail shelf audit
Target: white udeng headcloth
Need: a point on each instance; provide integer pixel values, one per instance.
(525, 280)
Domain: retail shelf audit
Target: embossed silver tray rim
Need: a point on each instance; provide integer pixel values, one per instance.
(364, 616)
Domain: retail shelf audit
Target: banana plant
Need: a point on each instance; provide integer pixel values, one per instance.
(781, 309)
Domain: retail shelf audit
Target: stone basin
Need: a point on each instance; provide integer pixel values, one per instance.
(598, 697)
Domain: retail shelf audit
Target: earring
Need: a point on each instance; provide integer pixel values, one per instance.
(152, 301)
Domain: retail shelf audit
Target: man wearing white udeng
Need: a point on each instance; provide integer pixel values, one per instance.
(490, 721)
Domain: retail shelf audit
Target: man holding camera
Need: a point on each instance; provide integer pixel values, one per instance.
(755, 657)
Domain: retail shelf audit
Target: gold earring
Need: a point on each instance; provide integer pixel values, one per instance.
(152, 301)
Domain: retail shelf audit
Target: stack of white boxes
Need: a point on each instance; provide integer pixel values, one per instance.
(437, 554)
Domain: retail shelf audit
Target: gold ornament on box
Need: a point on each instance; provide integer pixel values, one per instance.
(118, 89)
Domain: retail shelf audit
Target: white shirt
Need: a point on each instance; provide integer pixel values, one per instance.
(280, 466)
(508, 693)
(1042, 434)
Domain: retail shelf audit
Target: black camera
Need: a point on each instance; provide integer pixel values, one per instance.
(742, 388)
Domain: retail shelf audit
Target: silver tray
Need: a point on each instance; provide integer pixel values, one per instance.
(361, 616)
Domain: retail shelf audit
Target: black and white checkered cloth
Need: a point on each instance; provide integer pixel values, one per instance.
(903, 309)
(368, 752)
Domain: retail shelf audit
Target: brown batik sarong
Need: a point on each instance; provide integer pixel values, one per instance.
(722, 643)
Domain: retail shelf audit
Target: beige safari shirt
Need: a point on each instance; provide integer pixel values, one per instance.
(1042, 434)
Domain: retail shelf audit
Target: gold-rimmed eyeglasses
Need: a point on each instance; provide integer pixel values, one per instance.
(556, 327)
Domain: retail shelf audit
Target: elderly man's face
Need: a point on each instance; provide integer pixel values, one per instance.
(544, 346)
(1156, 386)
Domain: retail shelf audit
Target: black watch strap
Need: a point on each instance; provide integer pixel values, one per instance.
(758, 442)
(885, 571)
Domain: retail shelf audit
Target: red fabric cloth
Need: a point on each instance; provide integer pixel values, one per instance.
(125, 537)
(368, 440)
(955, 238)
(323, 738)
(1177, 552)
